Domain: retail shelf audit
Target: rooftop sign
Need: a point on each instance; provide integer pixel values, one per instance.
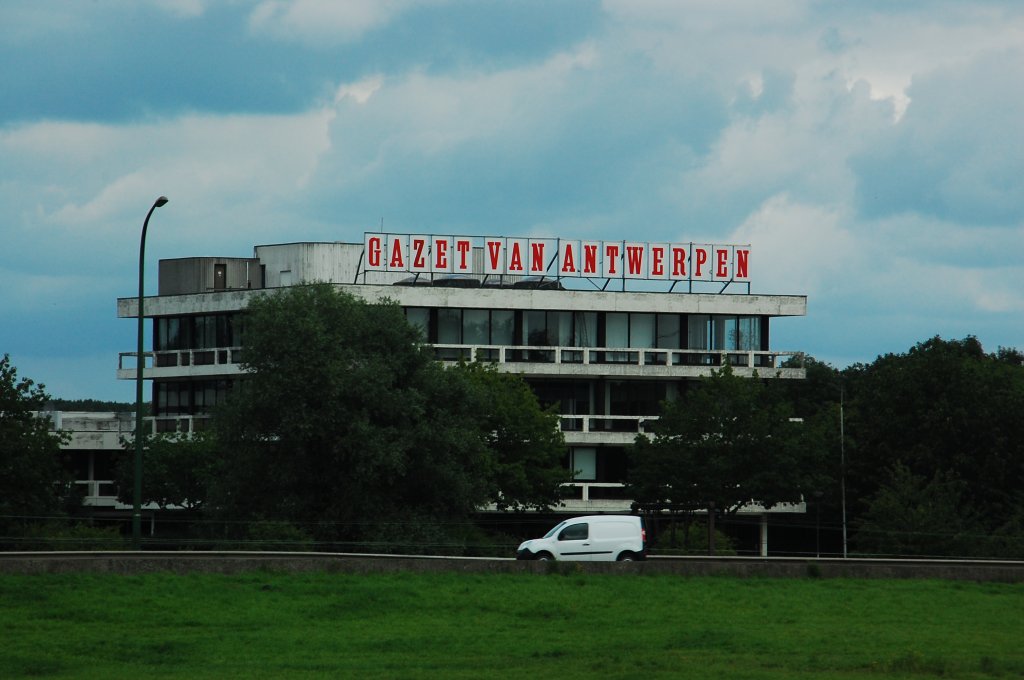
(424, 253)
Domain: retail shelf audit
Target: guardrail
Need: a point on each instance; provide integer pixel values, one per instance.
(228, 562)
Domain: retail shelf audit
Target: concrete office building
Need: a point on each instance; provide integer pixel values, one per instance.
(606, 339)
(94, 440)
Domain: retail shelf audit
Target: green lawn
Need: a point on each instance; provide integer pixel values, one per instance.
(504, 625)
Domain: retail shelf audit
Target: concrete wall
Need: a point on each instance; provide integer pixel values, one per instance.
(196, 274)
(232, 563)
(294, 263)
(89, 430)
(501, 298)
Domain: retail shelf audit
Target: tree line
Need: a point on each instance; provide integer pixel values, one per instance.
(346, 431)
(925, 447)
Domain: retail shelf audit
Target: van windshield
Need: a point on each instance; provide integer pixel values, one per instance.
(555, 530)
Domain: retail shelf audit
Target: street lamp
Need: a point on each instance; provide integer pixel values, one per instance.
(817, 522)
(137, 495)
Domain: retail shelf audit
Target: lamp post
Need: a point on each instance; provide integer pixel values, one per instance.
(137, 495)
(817, 522)
(842, 462)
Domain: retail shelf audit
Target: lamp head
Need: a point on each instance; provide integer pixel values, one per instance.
(161, 201)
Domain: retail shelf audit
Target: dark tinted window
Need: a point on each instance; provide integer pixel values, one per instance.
(573, 532)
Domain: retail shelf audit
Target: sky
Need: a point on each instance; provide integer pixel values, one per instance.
(871, 153)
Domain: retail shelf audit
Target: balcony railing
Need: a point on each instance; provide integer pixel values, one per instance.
(98, 491)
(510, 354)
(507, 354)
(214, 356)
(566, 423)
(177, 423)
(595, 491)
(601, 423)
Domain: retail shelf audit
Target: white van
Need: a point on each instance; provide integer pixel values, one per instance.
(594, 538)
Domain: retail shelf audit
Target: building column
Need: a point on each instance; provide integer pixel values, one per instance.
(764, 535)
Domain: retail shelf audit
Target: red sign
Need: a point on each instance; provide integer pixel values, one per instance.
(557, 257)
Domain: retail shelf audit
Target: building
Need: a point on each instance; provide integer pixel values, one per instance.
(606, 330)
(94, 440)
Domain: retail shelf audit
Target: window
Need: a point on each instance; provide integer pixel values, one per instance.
(475, 329)
(168, 334)
(535, 330)
(723, 333)
(641, 330)
(419, 317)
(172, 398)
(749, 333)
(574, 532)
(698, 331)
(585, 332)
(735, 333)
(572, 396)
(502, 327)
(584, 463)
(190, 398)
(668, 331)
(560, 328)
(449, 326)
(634, 398)
(205, 331)
(616, 329)
(225, 331)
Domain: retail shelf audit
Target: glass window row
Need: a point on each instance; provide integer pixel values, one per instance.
(534, 328)
(203, 331)
(194, 397)
(454, 326)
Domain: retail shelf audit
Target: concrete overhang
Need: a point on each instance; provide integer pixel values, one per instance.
(498, 298)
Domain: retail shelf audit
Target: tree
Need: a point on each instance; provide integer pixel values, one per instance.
(524, 442)
(914, 515)
(726, 443)
(346, 425)
(32, 487)
(177, 469)
(944, 406)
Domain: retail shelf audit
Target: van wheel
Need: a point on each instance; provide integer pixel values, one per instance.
(543, 557)
(626, 557)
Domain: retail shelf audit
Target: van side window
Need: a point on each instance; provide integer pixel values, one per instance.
(573, 532)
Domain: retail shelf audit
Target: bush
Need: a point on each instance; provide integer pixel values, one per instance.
(278, 536)
(60, 536)
(691, 539)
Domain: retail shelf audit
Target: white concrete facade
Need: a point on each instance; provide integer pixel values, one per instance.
(606, 356)
(94, 440)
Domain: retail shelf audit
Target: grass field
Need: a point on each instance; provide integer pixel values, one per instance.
(504, 625)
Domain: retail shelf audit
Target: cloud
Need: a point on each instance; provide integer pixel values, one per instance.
(868, 151)
(324, 21)
(914, 268)
(487, 135)
(956, 154)
(83, 185)
(186, 9)
(799, 248)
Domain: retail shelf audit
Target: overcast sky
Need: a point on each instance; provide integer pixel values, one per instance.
(872, 153)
